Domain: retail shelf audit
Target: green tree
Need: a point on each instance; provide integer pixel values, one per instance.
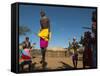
(23, 30)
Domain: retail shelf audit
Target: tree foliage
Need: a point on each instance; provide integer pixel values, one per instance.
(23, 30)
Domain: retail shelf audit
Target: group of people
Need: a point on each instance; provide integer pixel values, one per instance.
(44, 35)
(90, 44)
(89, 52)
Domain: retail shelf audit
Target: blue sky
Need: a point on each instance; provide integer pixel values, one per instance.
(66, 22)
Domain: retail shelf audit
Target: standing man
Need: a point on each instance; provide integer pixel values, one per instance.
(87, 54)
(44, 35)
(75, 54)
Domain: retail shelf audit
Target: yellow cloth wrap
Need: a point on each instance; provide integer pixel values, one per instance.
(44, 33)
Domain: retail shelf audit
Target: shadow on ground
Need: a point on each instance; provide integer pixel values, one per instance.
(64, 66)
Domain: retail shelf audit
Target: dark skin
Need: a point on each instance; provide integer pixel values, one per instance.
(26, 43)
(45, 23)
(86, 42)
(75, 53)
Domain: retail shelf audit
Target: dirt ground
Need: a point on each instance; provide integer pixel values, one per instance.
(57, 62)
(54, 61)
